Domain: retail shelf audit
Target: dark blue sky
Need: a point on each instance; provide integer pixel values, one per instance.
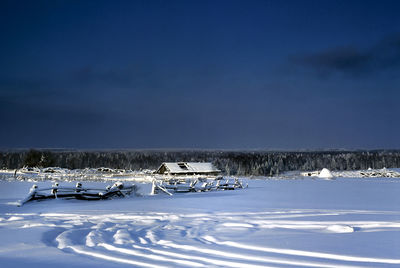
(200, 74)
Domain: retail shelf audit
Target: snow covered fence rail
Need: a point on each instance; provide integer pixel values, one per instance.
(369, 173)
(175, 185)
(63, 174)
(56, 191)
(380, 173)
(170, 186)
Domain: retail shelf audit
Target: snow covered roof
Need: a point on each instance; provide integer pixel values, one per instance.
(187, 168)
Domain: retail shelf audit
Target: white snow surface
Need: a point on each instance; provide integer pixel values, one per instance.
(345, 222)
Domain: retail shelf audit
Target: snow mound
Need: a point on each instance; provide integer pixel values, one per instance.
(122, 237)
(325, 174)
(93, 239)
(340, 228)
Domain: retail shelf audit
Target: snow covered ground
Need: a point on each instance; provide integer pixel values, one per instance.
(346, 222)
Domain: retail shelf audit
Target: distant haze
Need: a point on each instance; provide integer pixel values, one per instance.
(200, 74)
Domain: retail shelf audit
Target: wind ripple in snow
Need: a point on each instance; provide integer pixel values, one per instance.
(215, 239)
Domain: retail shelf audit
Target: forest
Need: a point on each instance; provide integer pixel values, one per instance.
(256, 163)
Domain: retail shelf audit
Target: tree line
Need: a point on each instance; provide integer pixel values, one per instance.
(257, 163)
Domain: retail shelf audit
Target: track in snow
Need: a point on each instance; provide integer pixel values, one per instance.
(217, 239)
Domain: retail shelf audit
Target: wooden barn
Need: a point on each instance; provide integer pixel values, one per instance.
(188, 168)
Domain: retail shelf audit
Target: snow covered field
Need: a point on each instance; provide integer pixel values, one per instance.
(347, 222)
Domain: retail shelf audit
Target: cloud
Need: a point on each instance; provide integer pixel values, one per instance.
(24, 88)
(42, 101)
(354, 61)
